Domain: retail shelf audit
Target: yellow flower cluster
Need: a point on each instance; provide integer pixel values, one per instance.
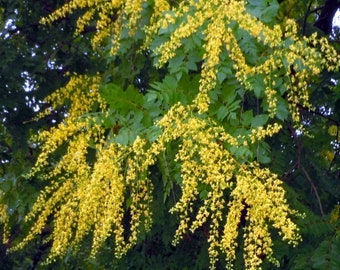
(81, 92)
(134, 9)
(185, 29)
(214, 35)
(4, 220)
(257, 193)
(216, 16)
(110, 15)
(261, 132)
(205, 159)
(213, 19)
(333, 130)
(85, 198)
(335, 215)
(272, 101)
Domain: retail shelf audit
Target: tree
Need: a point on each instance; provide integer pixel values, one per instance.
(223, 113)
(35, 60)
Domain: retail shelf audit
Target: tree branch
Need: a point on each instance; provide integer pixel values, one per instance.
(319, 114)
(305, 18)
(300, 166)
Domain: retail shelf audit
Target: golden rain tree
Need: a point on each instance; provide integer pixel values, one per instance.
(195, 89)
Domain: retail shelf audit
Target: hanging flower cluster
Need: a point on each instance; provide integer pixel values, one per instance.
(92, 199)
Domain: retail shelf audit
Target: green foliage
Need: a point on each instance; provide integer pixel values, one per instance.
(138, 95)
(266, 11)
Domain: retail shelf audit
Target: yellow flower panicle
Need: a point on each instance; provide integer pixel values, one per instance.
(92, 199)
(258, 192)
(213, 18)
(205, 159)
(300, 61)
(81, 93)
(4, 221)
(109, 16)
(86, 200)
(261, 133)
(100, 202)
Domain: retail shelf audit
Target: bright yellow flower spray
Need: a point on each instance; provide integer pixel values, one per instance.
(87, 199)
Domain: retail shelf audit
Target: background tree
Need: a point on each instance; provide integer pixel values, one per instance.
(237, 94)
(35, 60)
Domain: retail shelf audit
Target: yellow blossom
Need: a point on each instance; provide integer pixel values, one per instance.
(86, 198)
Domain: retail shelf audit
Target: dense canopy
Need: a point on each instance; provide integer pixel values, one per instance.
(176, 134)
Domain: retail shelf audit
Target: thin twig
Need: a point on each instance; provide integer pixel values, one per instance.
(327, 117)
(305, 18)
(300, 166)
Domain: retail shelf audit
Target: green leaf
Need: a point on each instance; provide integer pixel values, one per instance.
(204, 190)
(151, 96)
(265, 10)
(259, 120)
(282, 111)
(170, 82)
(234, 106)
(229, 95)
(176, 64)
(262, 153)
(327, 255)
(121, 100)
(242, 153)
(270, 12)
(224, 72)
(246, 118)
(152, 133)
(222, 112)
